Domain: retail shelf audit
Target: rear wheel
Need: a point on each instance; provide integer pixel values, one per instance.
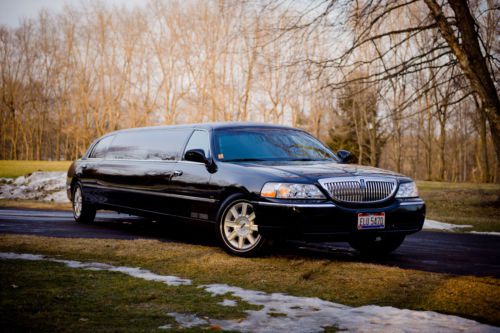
(237, 230)
(377, 245)
(82, 212)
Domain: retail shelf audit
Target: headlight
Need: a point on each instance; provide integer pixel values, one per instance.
(291, 191)
(407, 190)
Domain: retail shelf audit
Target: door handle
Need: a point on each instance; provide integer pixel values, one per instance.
(177, 173)
(161, 174)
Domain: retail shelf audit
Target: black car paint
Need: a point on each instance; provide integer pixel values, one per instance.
(195, 191)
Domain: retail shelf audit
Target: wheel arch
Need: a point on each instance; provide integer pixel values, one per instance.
(234, 190)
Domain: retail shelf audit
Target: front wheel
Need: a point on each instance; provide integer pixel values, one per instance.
(237, 230)
(82, 211)
(377, 245)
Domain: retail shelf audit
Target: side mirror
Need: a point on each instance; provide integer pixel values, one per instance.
(196, 155)
(346, 157)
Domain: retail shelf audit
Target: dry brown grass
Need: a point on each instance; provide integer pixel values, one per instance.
(463, 203)
(11, 169)
(34, 204)
(350, 283)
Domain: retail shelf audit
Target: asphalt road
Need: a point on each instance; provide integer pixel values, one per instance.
(453, 253)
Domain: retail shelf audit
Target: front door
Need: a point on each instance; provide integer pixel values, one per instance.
(190, 187)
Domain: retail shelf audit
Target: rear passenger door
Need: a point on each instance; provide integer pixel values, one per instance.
(190, 186)
(138, 168)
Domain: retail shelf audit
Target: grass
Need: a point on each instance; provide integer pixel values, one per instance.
(34, 204)
(49, 297)
(463, 203)
(12, 169)
(349, 283)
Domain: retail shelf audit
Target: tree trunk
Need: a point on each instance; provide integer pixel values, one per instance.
(483, 147)
(472, 62)
(442, 146)
(430, 138)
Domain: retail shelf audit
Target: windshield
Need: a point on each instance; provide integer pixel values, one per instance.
(269, 144)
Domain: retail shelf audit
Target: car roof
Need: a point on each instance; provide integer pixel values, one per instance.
(207, 126)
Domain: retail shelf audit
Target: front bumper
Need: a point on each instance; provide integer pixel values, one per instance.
(327, 220)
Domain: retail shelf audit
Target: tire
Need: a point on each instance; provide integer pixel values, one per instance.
(236, 230)
(377, 245)
(82, 211)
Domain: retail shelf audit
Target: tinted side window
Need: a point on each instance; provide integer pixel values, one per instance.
(101, 147)
(148, 145)
(199, 140)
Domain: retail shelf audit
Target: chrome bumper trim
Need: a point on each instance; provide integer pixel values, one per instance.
(277, 204)
(411, 203)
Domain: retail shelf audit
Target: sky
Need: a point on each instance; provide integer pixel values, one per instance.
(13, 11)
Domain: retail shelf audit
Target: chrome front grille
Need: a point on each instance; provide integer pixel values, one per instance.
(359, 189)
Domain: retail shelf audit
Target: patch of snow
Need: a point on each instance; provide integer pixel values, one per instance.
(228, 302)
(59, 196)
(96, 266)
(165, 327)
(307, 314)
(493, 233)
(436, 225)
(45, 186)
(188, 320)
(21, 256)
(301, 314)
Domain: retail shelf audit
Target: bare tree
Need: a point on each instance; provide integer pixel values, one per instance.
(387, 77)
(459, 42)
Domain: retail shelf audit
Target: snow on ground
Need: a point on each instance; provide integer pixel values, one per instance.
(96, 266)
(297, 314)
(228, 302)
(436, 225)
(307, 314)
(188, 320)
(45, 186)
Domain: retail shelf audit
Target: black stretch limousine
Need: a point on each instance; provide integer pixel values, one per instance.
(253, 182)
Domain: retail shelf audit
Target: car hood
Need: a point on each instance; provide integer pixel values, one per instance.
(319, 170)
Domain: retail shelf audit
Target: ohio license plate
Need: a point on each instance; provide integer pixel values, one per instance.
(371, 221)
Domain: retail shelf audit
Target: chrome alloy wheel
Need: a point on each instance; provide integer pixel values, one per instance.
(239, 230)
(77, 202)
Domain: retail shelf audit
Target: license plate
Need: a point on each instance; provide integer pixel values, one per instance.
(371, 221)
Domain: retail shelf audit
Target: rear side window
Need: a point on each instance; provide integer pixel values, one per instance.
(101, 147)
(163, 145)
(199, 140)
